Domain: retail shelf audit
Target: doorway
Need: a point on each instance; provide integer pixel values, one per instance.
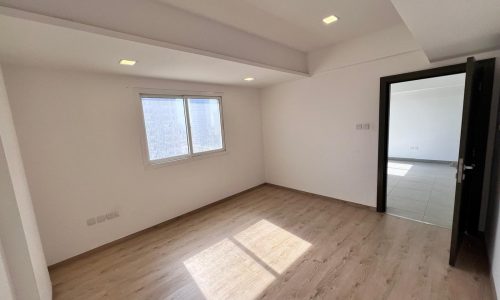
(425, 117)
(432, 146)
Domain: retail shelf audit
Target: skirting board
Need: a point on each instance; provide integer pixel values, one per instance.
(154, 227)
(324, 197)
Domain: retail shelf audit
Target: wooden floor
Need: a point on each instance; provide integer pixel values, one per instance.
(274, 243)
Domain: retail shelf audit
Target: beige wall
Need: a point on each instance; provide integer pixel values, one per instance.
(19, 234)
(80, 136)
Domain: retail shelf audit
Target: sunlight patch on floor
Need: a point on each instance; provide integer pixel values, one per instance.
(398, 169)
(225, 270)
(275, 246)
(246, 264)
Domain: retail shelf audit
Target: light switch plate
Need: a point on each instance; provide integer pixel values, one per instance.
(91, 222)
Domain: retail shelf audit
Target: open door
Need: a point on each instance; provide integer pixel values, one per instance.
(464, 165)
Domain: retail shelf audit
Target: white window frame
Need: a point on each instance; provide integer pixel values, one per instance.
(189, 141)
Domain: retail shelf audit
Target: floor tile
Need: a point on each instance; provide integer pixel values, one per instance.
(405, 213)
(425, 192)
(447, 223)
(423, 186)
(413, 194)
(407, 204)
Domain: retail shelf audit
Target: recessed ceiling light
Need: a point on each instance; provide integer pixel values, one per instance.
(127, 62)
(330, 19)
(249, 79)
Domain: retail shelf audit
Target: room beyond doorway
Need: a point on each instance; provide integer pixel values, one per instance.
(424, 138)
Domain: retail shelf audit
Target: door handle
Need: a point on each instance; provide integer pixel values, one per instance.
(472, 166)
(460, 170)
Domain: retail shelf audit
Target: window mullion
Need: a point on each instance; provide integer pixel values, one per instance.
(188, 125)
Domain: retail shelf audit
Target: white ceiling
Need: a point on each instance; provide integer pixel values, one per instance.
(452, 28)
(32, 43)
(297, 23)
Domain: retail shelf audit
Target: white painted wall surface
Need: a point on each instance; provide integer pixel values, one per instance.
(492, 224)
(80, 135)
(426, 123)
(309, 125)
(310, 137)
(18, 225)
(492, 235)
(6, 290)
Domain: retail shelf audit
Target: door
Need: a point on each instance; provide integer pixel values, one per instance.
(465, 165)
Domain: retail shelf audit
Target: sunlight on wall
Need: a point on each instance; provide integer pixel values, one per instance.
(398, 169)
(244, 265)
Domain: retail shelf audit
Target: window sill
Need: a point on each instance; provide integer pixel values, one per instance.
(184, 159)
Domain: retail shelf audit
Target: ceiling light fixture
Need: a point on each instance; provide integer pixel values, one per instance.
(127, 62)
(249, 79)
(330, 19)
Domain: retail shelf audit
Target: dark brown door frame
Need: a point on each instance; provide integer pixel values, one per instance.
(383, 140)
(488, 67)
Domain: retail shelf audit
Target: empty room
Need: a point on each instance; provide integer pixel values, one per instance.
(249, 149)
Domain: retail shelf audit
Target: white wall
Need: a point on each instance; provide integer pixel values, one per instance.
(6, 290)
(426, 123)
(493, 225)
(492, 230)
(310, 140)
(18, 227)
(80, 136)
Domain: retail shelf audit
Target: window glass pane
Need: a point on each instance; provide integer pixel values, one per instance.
(206, 132)
(165, 123)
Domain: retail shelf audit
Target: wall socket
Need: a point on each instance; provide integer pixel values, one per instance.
(103, 218)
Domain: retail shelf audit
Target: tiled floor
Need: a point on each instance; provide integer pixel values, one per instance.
(421, 191)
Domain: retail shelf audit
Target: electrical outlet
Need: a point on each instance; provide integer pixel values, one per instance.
(359, 126)
(366, 126)
(103, 218)
(91, 222)
(112, 215)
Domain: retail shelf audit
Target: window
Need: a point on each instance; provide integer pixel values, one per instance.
(180, 127)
